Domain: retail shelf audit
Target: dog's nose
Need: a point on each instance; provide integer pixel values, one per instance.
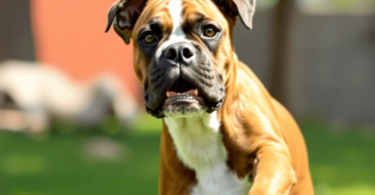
(180, 53)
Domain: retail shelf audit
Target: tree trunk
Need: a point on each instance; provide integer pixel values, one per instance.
(16, 38)
(283, 20)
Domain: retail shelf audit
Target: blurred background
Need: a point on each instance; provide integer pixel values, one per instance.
(71, 113)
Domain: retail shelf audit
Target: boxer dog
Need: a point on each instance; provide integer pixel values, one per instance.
(223, 133)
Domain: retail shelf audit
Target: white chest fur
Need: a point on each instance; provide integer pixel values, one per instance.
(199, 146)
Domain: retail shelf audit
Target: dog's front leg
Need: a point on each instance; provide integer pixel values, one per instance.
(273, 174)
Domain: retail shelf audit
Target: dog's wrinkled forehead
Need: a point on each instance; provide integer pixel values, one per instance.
(129, 15)
(175, 15)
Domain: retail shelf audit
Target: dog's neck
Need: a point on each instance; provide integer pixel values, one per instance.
(197, 139)
(199, 147)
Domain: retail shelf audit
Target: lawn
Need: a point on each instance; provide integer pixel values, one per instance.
(61, 163)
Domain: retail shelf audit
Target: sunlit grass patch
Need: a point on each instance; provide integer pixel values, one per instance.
(19, 164)
(353, 189)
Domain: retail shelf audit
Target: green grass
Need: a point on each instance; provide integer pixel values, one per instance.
(341, 158)
(341, 161)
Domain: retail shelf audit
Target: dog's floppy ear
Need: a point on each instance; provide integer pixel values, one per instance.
(244, 8)
(123, 15)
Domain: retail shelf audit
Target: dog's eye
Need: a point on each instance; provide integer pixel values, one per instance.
(148, 37)
(210, 31)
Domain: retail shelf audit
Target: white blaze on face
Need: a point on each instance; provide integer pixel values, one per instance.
(177, 35)
(175, 10)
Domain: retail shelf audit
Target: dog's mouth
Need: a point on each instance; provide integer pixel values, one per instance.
(182, 92)
(183, 99)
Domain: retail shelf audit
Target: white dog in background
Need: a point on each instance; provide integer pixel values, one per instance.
(40, 93)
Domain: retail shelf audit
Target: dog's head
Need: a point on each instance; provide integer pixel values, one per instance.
(182, 50)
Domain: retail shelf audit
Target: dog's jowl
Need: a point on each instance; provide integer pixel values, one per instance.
(223, 134)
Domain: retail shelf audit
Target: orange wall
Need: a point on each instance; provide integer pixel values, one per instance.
(70, 35)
